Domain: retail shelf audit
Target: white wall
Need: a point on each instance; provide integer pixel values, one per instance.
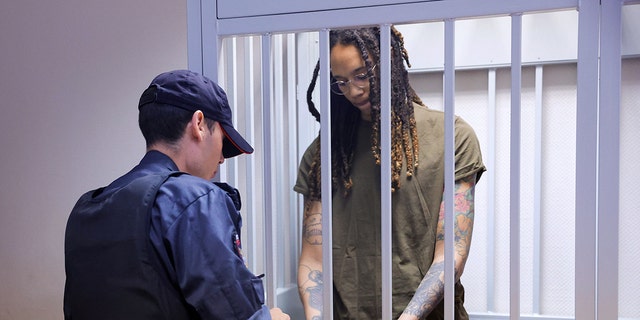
(71, 73)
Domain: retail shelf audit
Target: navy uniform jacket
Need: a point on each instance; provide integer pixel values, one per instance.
(159, 244)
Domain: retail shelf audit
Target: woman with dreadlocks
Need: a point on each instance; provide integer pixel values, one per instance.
(417, 170)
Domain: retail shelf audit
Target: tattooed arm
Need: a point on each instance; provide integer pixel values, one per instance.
(431, 290)
(310, 264)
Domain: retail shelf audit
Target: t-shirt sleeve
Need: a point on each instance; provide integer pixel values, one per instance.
(468, 156)
(302, 181)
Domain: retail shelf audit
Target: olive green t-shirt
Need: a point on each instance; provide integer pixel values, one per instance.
(415, 209)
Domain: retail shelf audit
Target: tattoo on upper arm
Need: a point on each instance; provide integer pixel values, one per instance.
(464, 214)
(312, 226)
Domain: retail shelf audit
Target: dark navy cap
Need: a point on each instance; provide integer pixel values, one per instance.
(192, 91)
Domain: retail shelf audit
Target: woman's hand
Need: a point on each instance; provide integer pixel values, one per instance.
(277, 314)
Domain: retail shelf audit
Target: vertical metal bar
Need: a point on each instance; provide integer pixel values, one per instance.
(385, 169)
(325, 164)
(514, 227)
(586, 158)
(221, 80)
(211, 42)
(194, 35)
(292, 116)
(537, 196)
(250, 169)
(306, 48)
(609, 159)
(269, 221)
(449, 167)
(491, 189)
(278, 148)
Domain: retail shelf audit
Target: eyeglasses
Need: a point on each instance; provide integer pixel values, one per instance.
(360, 80)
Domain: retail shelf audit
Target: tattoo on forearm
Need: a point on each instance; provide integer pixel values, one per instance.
(315, 292)
(429, 293)
(313, 287)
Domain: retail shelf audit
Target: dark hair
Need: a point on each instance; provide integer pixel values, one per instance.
(345, 118)
(164, 123)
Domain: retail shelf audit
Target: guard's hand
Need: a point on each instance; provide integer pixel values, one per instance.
(277, 314)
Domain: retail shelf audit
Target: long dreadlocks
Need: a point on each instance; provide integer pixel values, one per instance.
(345, 118)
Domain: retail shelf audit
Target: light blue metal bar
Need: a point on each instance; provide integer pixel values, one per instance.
(449, 166)
(385, 169)
(382, 14)
(609, 159)
(537, 194)
(586, 157)
(325, 164)
(514, 223)
(211, 39)
(499, 316)
(491, 191)
(267, 183)
(194, 35)
(293, 240)
(278, 113)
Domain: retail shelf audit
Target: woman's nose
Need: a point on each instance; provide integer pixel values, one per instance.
(354, 90)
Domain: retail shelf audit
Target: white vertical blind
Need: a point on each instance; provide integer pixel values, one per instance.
(537, 201)
(490, 176)
(250, 171)
(291, 237)
(228, 76)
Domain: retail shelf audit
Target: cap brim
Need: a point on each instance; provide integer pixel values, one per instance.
(234, 144)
